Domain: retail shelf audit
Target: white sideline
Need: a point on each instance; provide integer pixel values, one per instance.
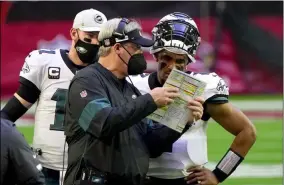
(254, 170)
(244, 170)
(265, 105)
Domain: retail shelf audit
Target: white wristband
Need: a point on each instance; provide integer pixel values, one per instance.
(229, 162)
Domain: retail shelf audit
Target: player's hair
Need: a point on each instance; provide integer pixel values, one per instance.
(108, 28)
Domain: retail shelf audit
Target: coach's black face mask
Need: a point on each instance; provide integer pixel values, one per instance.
(86, 52)
(136, 64)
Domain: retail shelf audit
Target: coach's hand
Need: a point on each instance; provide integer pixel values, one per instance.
(200, 175)
(196, 107)
(164, 95)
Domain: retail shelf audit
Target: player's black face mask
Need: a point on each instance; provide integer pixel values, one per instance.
(136, 64)
(87, 52)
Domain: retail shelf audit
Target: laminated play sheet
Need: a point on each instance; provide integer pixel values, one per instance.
(176, 114)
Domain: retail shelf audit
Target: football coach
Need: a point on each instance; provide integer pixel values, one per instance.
(109, 137)
(18, 162)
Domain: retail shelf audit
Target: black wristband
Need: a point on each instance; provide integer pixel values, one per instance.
(227, 165)
(221, 176)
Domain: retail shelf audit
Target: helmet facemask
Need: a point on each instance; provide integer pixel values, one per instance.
(177, 36)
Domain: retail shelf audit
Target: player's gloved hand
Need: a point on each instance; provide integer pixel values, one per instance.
(196, 107)
(200, 175)
(164, 95)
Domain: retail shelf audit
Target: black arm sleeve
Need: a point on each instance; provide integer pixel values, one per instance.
(160, 139)
(97, 116)
(27, 167)
(14, 109)
(28, 91)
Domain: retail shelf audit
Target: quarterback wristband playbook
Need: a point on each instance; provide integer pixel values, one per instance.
(227, 165)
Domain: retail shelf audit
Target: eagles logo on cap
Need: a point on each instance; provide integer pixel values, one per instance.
(98, 19)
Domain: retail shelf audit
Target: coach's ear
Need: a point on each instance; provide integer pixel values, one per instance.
(117, 48)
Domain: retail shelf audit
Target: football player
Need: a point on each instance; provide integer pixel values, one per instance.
(176, 40)
(45, 78)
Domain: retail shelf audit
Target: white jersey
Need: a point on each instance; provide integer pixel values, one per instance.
(191, 148)
(49, 72)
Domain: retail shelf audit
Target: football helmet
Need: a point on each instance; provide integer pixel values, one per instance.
(178, 33)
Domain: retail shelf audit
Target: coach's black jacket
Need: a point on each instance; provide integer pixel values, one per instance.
(18, 163)
(105, 120)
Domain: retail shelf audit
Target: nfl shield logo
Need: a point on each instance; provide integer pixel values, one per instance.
(83, 94)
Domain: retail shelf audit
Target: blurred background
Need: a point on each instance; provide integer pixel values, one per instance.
(241, 41)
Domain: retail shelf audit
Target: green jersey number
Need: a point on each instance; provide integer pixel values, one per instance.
(60, 97)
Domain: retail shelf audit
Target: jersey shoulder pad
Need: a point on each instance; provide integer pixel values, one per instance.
(138, 78)
(34, 66)
(140, 82)
(216, 86)
(39, 57)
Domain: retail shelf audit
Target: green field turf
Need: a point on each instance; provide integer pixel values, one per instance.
(253, 181)
(267, 150)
